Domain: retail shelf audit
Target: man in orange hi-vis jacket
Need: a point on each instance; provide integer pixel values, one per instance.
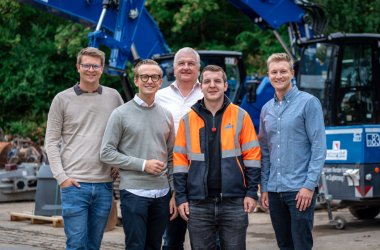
(216, 167)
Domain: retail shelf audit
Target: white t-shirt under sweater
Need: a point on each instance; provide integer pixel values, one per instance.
(172, 99)
(74, 132)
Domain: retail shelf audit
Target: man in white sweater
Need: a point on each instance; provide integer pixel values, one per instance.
(75, 126)
(139, 140)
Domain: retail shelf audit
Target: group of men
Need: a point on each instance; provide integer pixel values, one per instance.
(184, 150)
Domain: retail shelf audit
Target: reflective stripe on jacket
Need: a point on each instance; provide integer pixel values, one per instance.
(240, 163)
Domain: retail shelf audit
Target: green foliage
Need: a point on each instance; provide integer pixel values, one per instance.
(33, 68)
(68, 43)
(352, 16)
(257, 46)
(31, 129)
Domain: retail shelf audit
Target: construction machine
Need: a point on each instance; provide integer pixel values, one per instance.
(342, 70)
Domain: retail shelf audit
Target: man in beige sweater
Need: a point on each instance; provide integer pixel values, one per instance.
(75, 127)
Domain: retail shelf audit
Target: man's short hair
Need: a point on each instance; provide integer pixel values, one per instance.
(278, 57)
(145, 62)
(214, 68)
(187, 50)
(93, 52)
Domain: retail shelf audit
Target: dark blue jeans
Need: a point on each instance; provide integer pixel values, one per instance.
(174, 235)
(144, 220)
(85, 212)
(213, 216)
(293, 228)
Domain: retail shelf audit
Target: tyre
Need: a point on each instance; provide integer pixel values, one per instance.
(364, 213)
(340, 222)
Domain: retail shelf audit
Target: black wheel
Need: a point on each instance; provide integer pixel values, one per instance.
(340, 222)
(364, 213)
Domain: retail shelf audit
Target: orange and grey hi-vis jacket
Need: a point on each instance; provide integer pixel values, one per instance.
(240, 163)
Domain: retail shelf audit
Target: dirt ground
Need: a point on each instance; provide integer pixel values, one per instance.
(358, 235)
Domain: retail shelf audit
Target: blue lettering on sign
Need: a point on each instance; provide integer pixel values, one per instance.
(373, 140)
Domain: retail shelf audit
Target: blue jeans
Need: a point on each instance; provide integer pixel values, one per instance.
(174, 235)
(213, 216)
(293, 228)
(85, 212)
(144, 220)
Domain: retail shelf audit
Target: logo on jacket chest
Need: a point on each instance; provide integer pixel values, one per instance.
(229, 125)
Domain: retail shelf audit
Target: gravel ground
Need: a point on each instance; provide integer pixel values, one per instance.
(358, 235)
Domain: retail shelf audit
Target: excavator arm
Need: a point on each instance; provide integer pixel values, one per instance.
(305, 20)
(124, 26)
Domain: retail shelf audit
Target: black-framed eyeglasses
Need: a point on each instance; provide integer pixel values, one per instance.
(95, 67)
(145, 78)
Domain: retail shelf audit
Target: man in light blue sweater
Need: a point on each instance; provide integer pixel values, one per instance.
(139, 139)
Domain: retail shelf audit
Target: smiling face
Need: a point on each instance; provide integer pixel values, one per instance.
(148, 80)
(213, 86)
(280, 75)
(89, 75)
(186, 68)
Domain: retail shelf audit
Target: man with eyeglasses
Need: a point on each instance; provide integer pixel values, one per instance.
(139, 140)
(75, 126)
(178, 99)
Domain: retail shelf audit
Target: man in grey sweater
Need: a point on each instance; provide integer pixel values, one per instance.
(139, 139)
(75, 126)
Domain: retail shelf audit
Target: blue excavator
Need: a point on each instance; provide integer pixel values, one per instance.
(342, 70)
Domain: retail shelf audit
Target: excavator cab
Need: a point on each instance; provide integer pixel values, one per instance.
(342, 70)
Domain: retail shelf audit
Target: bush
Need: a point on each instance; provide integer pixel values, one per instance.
(31, 129)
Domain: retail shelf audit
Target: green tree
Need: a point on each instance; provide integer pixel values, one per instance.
(352, 16)
(32, 69)
(38, 60)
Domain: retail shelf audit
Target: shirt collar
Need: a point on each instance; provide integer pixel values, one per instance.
(79, 91)
(288, 96)
(140, 102)
(196, 85)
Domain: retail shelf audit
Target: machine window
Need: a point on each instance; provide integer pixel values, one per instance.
(356, 90)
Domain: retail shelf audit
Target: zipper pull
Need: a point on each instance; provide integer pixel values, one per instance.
(213, 125)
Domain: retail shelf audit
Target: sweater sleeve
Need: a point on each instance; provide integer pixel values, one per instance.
(53, 139)
(109, 153)
(170, 145)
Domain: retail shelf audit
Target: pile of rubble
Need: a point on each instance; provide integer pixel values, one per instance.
(20, 159)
